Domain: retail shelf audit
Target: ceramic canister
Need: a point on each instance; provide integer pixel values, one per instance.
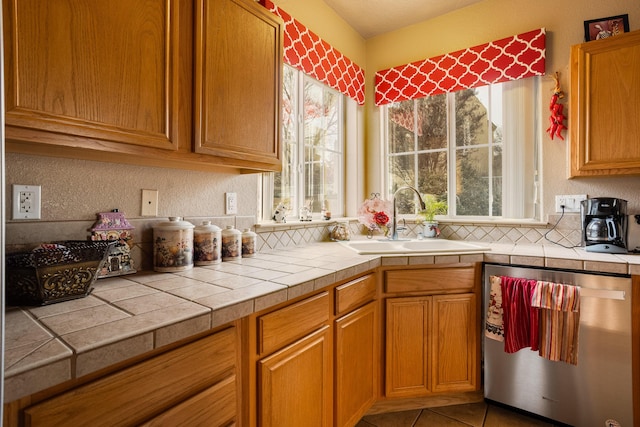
(173, 245)
(207, 247)
(231, 244)
(248, 243)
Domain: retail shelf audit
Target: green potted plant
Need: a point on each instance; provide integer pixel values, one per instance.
(427, 216)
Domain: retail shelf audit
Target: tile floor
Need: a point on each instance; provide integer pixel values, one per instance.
(473, 414)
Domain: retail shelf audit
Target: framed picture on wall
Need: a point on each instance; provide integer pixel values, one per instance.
(602, 28)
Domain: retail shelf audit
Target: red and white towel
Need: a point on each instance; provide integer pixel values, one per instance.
(544, 316)
(559, 306)
(520, 321)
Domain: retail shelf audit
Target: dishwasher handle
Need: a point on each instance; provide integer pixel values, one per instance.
(603, 293)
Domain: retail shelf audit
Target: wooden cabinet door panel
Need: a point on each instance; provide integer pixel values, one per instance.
(408, 340)
(604, 115)
(294, 384)
(357, 364)
(103, 70)
(454, 342)
(238, 81)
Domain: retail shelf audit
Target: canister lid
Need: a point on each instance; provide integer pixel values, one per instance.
(207, 227)
(174, 223)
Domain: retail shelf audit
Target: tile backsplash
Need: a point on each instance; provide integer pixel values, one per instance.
(22, 235)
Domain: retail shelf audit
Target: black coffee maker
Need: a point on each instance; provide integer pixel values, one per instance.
(604, 225)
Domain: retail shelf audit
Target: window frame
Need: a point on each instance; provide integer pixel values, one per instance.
(267, 181)
(518, 198)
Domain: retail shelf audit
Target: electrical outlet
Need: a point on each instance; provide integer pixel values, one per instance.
(231, 203)
(26, 201)
(149, 203)
(571, 203)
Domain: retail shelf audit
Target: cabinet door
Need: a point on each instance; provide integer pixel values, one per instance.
(86, 74)
(357, 366)
(454, 351)
(294, 384)
(238, 81)
(408, 336)
(604, 112)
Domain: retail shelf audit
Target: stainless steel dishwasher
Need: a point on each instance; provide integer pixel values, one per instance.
(594, 392)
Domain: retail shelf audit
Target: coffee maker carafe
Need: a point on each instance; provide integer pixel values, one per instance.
(604, 225)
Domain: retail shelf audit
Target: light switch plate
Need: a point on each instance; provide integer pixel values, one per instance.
(149, 203)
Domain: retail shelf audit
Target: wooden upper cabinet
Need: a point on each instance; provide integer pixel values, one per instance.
(238, 67)
(86, 73)
(604, 114)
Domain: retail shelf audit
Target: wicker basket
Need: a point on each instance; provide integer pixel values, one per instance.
(65, 271)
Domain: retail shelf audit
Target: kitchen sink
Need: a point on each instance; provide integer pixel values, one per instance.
(413, 246)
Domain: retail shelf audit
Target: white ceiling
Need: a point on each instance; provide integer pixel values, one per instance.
(373, 17)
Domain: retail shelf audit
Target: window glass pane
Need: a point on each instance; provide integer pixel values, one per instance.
(496, 207)
(471, 117)
(401, 127)
(472, 176)
(432, 122)
(331, 111)
(432, 174)
(402, 173)
(323, 147)
(285, 182)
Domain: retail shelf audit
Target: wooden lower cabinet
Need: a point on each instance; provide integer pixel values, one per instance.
(430, 345)
(431, 341)
(295, 384)
(316, 361)
(356, 364)
(408, 341)
(455, 332)
(195, 384)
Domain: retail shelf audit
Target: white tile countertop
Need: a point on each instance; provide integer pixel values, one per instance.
(131, 315)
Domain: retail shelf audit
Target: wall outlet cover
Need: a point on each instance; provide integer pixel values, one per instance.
(231, 203)
(26, 201)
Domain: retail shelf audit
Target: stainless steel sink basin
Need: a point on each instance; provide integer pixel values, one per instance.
(425, 246)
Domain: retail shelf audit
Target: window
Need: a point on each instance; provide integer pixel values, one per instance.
(475, 149)
(312, 149)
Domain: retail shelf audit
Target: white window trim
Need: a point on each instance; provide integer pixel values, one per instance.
(353, 182)
(526, 104)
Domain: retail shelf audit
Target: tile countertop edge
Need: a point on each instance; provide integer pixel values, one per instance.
(63, 367)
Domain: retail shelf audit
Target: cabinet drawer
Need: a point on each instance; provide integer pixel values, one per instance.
(214, 406)
(135, 394)
(355, 293)
(438, 279)
(287, 324)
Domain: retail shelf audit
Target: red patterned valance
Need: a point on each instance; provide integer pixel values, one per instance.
(305, 51)
(511, 58)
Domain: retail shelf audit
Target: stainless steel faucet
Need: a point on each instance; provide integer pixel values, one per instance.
(394, 222)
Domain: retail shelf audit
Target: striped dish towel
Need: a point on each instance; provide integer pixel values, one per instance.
(559, 306)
